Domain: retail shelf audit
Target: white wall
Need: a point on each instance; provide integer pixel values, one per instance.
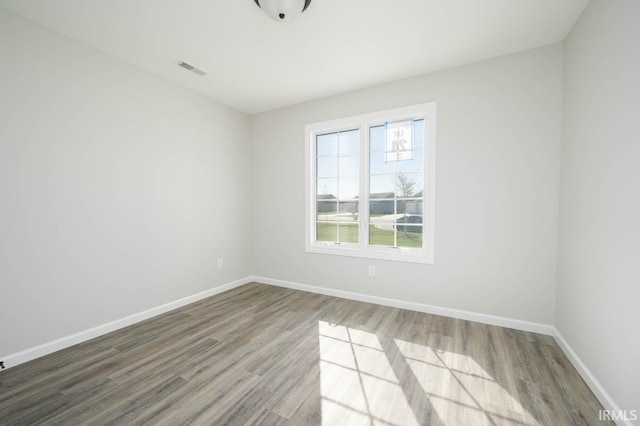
(499, 130)
(598, 276)
(118, 190)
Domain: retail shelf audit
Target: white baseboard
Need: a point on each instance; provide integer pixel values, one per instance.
(605, 399)
(67, 341)
(598, 390)
(413, 306)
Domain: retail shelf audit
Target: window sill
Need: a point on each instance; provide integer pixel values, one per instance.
(386, 253)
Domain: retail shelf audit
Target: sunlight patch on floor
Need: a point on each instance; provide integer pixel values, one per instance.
(460, 390)
(358, 385)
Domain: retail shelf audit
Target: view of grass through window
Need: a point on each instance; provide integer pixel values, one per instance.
(396, 182)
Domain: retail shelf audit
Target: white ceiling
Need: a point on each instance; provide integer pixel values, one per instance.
(255, 64)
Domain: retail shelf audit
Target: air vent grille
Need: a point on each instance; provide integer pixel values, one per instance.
(192, 68)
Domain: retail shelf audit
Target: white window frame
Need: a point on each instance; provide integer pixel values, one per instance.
(427, 112)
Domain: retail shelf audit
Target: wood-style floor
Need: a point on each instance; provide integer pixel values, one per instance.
(266, 355)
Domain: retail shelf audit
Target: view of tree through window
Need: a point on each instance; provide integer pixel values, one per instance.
(396, 185)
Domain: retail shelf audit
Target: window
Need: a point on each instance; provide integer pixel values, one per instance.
(370, 185)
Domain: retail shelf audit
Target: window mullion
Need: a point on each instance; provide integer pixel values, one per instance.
(364, 186)
(338, 187)
(395, 215)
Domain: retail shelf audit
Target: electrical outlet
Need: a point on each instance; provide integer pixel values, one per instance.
(220, 263)
(372, 270)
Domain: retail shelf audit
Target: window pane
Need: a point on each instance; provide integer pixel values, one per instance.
(327, 144)
(348, 233)
(378, 163)
(409, 236)
(418, 133)
(410, 207)
(381, 207)
(327, 232)
(409, 223)
(349, 166)
(337, 232)
(406, 236)
(381, 186)
(327, 167)
(349, 142)
(348, 211)
(377, 138)
(348, 188)
(326, 210)
(381, 234)
(409, 185)
(403, 184)
(327, 187)
(415, 165)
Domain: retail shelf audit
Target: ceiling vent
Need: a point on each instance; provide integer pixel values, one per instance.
(189, 67)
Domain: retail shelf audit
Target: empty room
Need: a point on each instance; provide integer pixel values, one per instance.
(319, 212)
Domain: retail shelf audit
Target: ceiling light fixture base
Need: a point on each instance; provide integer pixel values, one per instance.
(283, 10)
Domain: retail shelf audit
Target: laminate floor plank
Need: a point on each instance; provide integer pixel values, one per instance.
(259, 354)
